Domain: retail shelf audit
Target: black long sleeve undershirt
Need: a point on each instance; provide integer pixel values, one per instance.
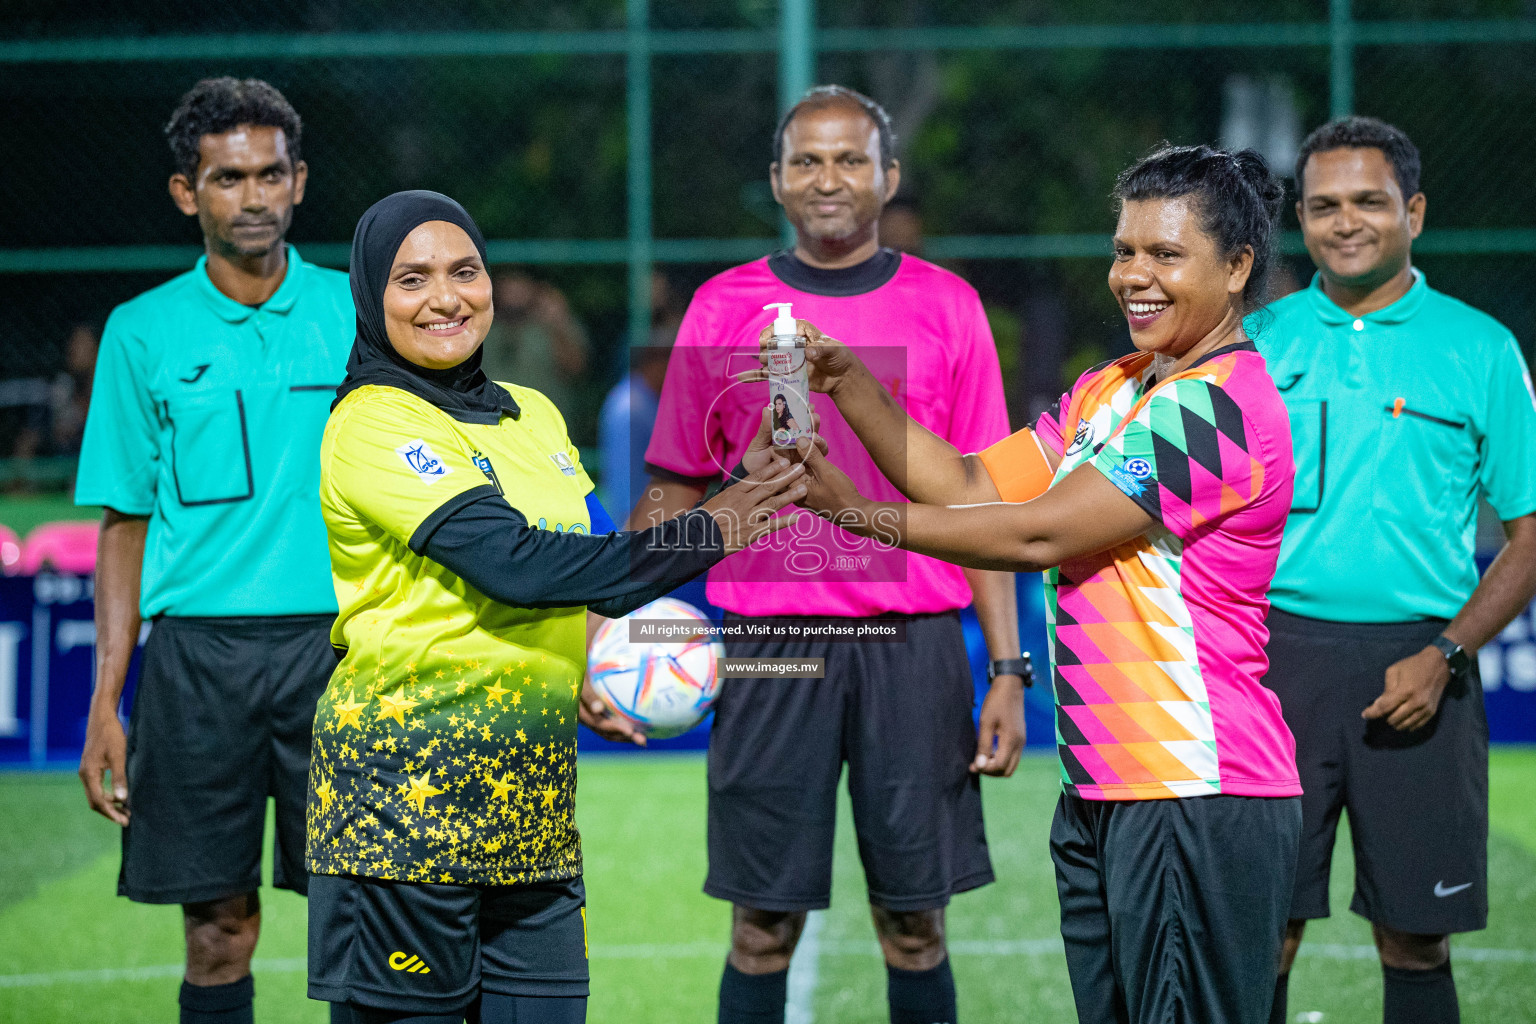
(488, 543)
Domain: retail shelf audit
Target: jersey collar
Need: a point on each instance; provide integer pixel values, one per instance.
(859, 279)
(234, 312)
(1331, 313)
(1245, 345)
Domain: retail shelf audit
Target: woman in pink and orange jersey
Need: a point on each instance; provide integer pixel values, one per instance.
(1154, 498)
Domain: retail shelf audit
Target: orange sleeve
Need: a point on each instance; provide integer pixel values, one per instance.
(1018, 466)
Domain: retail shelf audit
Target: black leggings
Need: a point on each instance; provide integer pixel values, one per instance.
(488, 1008)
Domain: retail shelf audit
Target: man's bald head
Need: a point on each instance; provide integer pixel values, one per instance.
(836, 95)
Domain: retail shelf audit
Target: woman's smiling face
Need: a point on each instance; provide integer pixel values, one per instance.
(1171, 281)
(437, 301)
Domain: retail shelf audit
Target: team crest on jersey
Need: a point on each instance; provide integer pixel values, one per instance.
(1138, 468)
(563, 460)
(1082, 438)
(423, 461)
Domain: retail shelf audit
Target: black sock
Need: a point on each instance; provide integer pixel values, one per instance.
(1282, 996)
(1419, 997)
(217, 1004)
(752, 998)
(921, 997)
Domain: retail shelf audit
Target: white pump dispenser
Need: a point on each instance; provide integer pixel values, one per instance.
(784, 323)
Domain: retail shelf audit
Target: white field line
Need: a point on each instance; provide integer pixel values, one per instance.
(799, 999)
(695, 950)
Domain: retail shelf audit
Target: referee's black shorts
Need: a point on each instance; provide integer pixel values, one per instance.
(221, 720)
(1417, 801)
(899, 714)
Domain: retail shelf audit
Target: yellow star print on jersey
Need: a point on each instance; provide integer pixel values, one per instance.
(444, 748)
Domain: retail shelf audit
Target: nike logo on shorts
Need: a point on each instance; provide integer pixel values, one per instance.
(1442, 890)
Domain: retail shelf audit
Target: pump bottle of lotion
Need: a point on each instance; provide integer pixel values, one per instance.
(789, 390)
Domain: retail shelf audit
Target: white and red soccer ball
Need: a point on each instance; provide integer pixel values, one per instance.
(664, 688)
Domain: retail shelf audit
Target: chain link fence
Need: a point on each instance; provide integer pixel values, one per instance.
(1013, 119)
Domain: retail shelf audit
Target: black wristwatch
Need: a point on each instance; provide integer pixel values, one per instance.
(1456, 657)
(1012, 667)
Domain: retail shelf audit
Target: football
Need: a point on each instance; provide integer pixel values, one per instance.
(664, 687)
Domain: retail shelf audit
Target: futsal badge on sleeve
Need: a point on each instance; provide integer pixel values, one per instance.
(1131, 476)
(562, 460)
(423, 461)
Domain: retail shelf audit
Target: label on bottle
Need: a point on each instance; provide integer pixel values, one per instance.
(789, 393)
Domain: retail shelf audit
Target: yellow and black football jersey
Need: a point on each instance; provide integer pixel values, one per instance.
(445, 746)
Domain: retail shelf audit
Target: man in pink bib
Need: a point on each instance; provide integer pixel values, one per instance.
(898, 713)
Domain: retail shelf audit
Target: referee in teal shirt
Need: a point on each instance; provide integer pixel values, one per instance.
(203, 442)
(1405, 405)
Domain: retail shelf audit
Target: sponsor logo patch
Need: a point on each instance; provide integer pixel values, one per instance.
(423, 461)
(484, 465)
(1081, 439)
(1138, 468)
(410, 963)
(563, 460)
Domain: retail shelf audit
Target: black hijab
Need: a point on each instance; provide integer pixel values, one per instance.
(463, 391)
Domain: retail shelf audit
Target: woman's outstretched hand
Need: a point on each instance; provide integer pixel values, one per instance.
(831, 494)
(829, 363)
(745, 510)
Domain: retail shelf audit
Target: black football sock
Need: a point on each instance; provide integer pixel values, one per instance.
(1282, 997)
(752, 998)
(1419, 997)
(217, 1004)
(921, 997)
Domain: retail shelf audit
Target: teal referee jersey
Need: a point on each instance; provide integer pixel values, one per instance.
(206, 416)
(1398, 419)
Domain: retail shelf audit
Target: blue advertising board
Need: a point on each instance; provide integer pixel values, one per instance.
(47, 666)
(48, 648)
(1508, 668)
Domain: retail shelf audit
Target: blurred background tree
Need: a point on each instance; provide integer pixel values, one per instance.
(1021, 142)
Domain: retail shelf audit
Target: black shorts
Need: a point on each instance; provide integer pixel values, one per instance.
(1417, 801)
(900, 715)
(1174, 910)
(221, 721)
(426, 948)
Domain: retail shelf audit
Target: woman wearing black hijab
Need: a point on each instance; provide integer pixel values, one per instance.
(446, 866)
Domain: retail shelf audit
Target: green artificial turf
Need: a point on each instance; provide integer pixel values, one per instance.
(46, 830)
(657, 942)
